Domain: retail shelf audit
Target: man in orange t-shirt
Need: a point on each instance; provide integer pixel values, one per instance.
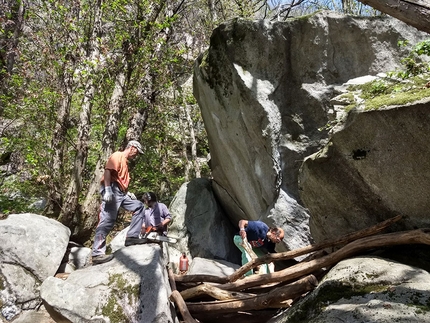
(114, 185)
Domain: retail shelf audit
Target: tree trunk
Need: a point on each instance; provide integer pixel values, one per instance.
(413, 12)
(92, 201)
(54, 204)
(9, 41)
(193, 141)
(187, 165)
(71, 204)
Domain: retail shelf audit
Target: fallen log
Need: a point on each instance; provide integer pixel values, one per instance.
(276, 298)
(419, 236)
(238, 317)
(178, 300)
(199, 279)
(214, 292)
(182, 307)
(312, 248)
(247, 247)
(171, 276)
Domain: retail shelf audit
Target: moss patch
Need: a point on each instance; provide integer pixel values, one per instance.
(114, 311)
(400, 98)
(388, 92)
(119, 288)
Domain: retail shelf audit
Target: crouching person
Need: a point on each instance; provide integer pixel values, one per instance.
(261, 240)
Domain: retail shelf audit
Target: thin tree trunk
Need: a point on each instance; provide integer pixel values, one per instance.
(71, 204)
(13, 26)
(54, 204)
(187, 166)
(92, 201)
(193, 142)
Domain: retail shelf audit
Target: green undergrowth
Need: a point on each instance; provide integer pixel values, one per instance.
(409, 84)
(388, 92)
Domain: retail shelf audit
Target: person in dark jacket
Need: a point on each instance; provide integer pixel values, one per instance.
(261, 239)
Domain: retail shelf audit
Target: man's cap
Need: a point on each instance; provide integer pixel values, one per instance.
(136, 144)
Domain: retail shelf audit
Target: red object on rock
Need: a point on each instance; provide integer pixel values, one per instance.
(183, 262)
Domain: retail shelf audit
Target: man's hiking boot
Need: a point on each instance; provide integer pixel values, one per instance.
(132, 241)
(100, 259)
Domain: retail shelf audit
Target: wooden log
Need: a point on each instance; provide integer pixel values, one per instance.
(200, 278)
(182, 307)
(275, 298)
(247, 247)
(420, 236)
(178, 300)
(238, 317)
(171, 276)
(214, 292)
(308, 249)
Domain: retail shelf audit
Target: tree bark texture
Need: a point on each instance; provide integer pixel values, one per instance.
(182, 307)
(71, 200)
(276, 298)
(214, 292)
(413, 12)
(91, 204)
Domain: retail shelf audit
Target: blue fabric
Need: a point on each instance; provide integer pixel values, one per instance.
(256, 233)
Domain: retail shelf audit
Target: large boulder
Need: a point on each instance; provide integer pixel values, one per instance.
(366, 289)
(31, 250)
(133, 287)
(264, 90)
(201, 225)
(377, 165)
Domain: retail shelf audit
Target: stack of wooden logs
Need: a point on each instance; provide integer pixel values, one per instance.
(255, 298)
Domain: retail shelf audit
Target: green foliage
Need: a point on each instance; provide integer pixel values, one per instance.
(413, 65)
(399, 87)
(389, 92)
(57, 65)
(374, 88)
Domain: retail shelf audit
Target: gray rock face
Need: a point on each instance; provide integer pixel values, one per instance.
(375, 167)
(220, 268)
(31, 249)
(264, 90)
(366, 289)
(201, 226)
(133, 287)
